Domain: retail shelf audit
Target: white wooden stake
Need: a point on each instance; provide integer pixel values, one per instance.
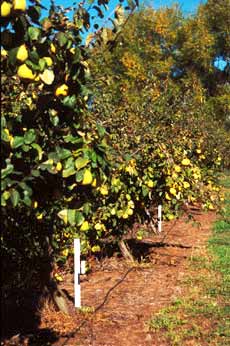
(159, 218)
(83, 267)
(77, 270)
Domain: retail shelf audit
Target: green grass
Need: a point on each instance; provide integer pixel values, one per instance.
(202, 316)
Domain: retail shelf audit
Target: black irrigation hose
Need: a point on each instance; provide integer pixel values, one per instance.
(73, 333)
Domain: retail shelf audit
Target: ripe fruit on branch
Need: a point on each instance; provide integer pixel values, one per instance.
(62, 90)
(19, 5)
(87, 178)
(185, 162)
(22, 53)
(5, 9)
(25, 72)
(84, 226)
(48, 60)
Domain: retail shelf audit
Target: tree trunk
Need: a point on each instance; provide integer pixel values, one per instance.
(125, 250)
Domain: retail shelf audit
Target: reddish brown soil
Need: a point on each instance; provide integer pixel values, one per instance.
(126, 295)
(149, 286)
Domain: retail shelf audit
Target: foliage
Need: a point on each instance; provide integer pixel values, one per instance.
(54, 161)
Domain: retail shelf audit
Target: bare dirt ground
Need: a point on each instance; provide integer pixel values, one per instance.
(125, 295)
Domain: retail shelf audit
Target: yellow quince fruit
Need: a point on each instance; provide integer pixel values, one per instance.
(4, 53)
(130, 211)
(62, 90)
(186, 184)
(19, 5)
(25, 72)
(173, 191)
(150, 183)
(167, 196)
(94, 183)
(48, 60)
(35, 204)
(52, 48)
(171, 217)
(185, 162)
(65, 252)
(22, 53)
(59, 166)
(104, 190)
(40, 216)
(5, 9)
(87, 178)
(177, 168)
(84, 226)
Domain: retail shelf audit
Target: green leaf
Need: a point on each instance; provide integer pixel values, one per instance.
(39, 150)
(54, 120)
(70, 101)
(94, 157)
(77, 56)
(62, 39)
(63, 153)
(12, 55)
(6, 171)
(3, 202)
(68, 172)
(86, 208)
(81, 162)
(3, 121)
(27, 201)
(30, 136)
(4, 136)
(145, 191)
(79, 176)
(34, 57)
(17, 142)
(34, 33)
(32, 65)
(101, 130)
(42, 64)
(15, 197)
(35, 173)
(26, 148)
(79, 218)
(71, 214)
(72, 139)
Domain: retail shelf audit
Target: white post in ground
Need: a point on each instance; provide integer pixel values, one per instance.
(159, 219)
(77, 271)
(83, 267)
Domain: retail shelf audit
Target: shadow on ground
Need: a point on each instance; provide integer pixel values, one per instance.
(20, 322)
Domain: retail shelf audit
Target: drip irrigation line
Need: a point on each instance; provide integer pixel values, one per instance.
(100, 306)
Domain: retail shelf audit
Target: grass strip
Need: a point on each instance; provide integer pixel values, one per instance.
(202, 316)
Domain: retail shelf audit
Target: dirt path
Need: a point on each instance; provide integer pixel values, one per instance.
(133, 294)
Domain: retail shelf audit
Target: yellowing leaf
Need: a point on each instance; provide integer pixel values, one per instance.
(63, 214)
(89, 38)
